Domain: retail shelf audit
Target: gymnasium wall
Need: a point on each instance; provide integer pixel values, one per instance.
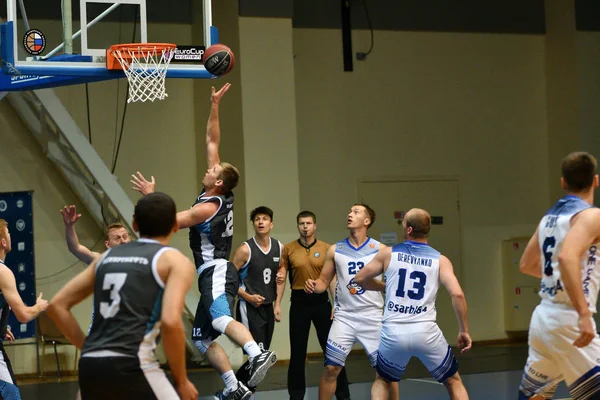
(437, 105)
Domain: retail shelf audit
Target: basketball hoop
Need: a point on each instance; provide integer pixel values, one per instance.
(145, 65)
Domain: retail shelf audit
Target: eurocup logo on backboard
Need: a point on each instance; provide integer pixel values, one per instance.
(354, 288)
(189, 53)
(34, 42)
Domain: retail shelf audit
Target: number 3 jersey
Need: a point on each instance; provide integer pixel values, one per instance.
(412, 282)
(552, 232)
(350, 297)
(212, 239)
(127, 301)
(259, 272)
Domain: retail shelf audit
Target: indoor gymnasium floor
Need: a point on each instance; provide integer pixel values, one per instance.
(489, 372)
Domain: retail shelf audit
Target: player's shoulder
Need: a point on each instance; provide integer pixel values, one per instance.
(591, 212)
(5, 270)
(171, 253)
(244, 247)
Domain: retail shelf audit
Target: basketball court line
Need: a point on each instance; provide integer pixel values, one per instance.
(424, 381)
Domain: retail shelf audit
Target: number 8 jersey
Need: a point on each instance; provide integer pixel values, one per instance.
(552, 232)
(412, 281)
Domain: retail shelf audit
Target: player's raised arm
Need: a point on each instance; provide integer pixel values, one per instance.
(197, 214)
(531, 261)
(377, 266)
(583, 233)
(213, 129)
(459, 303)
(327, 274)
(70, 218)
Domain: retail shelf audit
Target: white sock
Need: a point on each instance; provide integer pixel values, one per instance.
(252, 349)
(231, 382)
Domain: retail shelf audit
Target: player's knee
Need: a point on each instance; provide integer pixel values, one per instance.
(453, 381)
(332, 371)
(378, 377)
(220, 324)
(203, 345)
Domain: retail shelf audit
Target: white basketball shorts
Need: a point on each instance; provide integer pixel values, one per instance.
(553, 358)
(424, 340)
(347, 329)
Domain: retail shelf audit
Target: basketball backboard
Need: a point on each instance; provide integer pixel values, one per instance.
(30, 60)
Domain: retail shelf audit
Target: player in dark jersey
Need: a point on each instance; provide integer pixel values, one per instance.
(10, 299)
(258, 260)
(139, 291)
(210, 221)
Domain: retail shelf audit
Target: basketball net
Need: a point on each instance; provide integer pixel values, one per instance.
(146, 70)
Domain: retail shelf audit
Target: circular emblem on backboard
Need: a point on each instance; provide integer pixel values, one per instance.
(3, 206)
(34, 42)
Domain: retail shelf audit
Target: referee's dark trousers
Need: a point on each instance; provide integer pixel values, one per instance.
(304, 309)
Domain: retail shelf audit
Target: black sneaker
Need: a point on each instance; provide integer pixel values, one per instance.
(260, 365)
(241, 393)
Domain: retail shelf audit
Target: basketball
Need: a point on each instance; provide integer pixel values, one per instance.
(218, 59)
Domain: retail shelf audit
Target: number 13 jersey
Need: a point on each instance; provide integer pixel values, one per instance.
(412, 282)
(552, 232)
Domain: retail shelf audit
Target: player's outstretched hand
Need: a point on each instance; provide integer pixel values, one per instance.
(70, 215)
(187, 390)
(464, 342)
(586, 329)
(215, 96)
(140, 184)
(310, 285)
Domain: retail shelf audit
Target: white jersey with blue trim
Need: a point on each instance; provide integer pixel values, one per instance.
(412, 283)
(553, 230)
(350, 297)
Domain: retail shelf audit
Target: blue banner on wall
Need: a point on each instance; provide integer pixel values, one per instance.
(17, 209)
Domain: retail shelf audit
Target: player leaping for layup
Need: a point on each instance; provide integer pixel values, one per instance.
(358, 312)
(211, 229)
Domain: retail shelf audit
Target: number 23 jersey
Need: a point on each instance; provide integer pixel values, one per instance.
(553, 230)
(350, 297)
(412, 283)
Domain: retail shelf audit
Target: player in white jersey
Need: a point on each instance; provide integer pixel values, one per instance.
(563, 253)
(413, 272)
(357, 313)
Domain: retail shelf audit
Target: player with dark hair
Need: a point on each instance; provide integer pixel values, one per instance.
(139, 291)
